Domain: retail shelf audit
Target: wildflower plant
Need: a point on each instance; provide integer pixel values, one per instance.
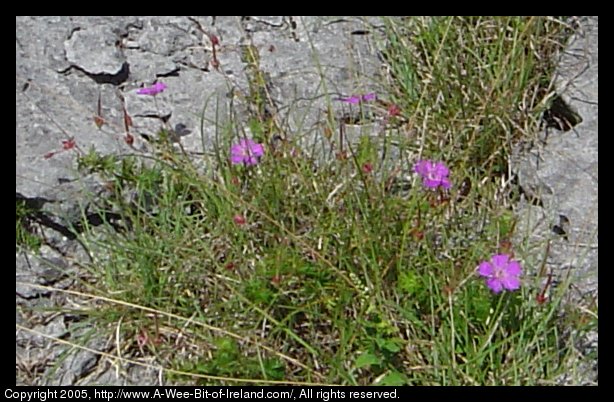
(332, 260)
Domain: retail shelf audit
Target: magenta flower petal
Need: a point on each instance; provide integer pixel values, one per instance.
(352, 99)
(247, 152)
(500, 260)
(494, 285)
(485, 269)
(430, 183)
(441, 170)
(152, 90)
(514, 268)
(250, 160)
(356, 99)
(510, 282)
(369, 96)
(236, 159)
(257, 149)
(422, 167)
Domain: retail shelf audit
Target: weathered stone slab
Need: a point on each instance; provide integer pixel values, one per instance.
(563, 175)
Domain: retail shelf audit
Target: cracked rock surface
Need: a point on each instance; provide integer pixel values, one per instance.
(562, 174)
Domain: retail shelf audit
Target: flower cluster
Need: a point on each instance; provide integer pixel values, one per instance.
(501, 272)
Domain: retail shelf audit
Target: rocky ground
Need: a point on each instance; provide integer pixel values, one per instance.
(69, 69)
(560, 177)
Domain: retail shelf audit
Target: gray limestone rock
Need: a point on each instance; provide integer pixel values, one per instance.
(562, 173)
(95, 50)
(38, 270)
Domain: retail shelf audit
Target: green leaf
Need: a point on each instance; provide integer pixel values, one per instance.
(392, 346)
(367, 359)
(393, 378)
(409, 282)
(274, 369)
